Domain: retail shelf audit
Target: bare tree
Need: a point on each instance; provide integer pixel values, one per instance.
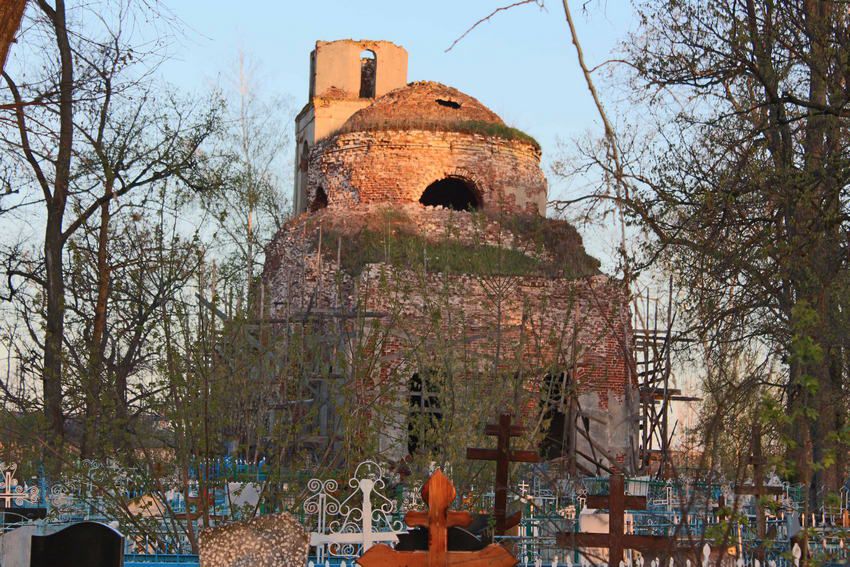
(90, 130)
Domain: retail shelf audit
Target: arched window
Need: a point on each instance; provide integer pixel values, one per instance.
(368, 70)
(424, 413)
(556, 403)
(452, 193)
(304, 158)
(320, 201)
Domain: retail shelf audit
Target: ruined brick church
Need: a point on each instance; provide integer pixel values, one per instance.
(420, 255)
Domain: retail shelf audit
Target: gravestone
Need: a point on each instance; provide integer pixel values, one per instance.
(17, 514)
(86, 544)
(439, 493)
(267, 541)
(416, 539)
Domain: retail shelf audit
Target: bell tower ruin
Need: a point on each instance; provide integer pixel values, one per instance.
(345, 76)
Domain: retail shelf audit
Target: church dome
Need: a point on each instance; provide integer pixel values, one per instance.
(431, 144)
(423, 105)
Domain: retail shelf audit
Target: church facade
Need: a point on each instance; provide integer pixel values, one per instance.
(435, 290)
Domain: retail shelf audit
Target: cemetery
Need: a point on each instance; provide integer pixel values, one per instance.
(374, 519)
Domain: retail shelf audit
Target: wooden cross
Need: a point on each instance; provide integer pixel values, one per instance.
(439, 493)
(758, 488)
(616, 540)
(503, 456)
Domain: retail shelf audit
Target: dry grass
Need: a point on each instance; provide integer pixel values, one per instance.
(542, 247)
(463, 126)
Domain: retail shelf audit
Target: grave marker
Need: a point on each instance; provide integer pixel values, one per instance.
(267, 541)
(86, 544)
(616, 540)
(504, 456)
(439, 493)
(345, 525)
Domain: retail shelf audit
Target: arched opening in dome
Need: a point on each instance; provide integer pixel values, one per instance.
(320, 201)
(368, 69)
(453, 193)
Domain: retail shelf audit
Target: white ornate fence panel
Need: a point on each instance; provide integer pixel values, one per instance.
(349, 527)
(11, 492)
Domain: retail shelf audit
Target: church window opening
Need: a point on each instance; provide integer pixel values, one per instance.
(368, 69)
(424, 412)
(304, 158)
(453, 193)
(555, 401)
(320, 201)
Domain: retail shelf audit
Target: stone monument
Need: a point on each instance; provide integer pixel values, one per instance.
(276, 540)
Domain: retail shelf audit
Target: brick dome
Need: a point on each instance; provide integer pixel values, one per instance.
(431, 144)
(421, 104)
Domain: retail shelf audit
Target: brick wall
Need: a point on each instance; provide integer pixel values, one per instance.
(535, 323)
(397, 166)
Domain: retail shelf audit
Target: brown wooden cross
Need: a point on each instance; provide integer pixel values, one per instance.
(503, 456)
(758, 488)
(616, 540)
(439, 493)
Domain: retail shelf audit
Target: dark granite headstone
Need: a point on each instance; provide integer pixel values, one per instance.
(15, 515)
(416, 539)
(86, 544)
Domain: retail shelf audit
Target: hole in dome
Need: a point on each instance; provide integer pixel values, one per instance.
(320, 201)
(448, 103)
(453, 193)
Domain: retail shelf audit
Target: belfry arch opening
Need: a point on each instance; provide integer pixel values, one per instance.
(453, 193)
(368, 70)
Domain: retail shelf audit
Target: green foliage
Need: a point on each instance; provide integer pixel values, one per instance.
(540, 247)
(804, 347)
(463, 126)
(409, 250)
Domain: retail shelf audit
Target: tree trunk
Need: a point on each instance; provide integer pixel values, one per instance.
(54, 329)
(818, 219)
(95, 375)
(54, 239)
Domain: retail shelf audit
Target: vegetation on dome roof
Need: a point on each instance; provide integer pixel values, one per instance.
(542, 247)
(408, 250)
(482, 127)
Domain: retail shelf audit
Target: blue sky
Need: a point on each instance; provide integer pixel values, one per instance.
(521, 63)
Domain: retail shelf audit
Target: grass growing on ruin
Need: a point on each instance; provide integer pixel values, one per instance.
(561, 241)
(462, 126)
(407, 250)
(498, 130)
(534, 245)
